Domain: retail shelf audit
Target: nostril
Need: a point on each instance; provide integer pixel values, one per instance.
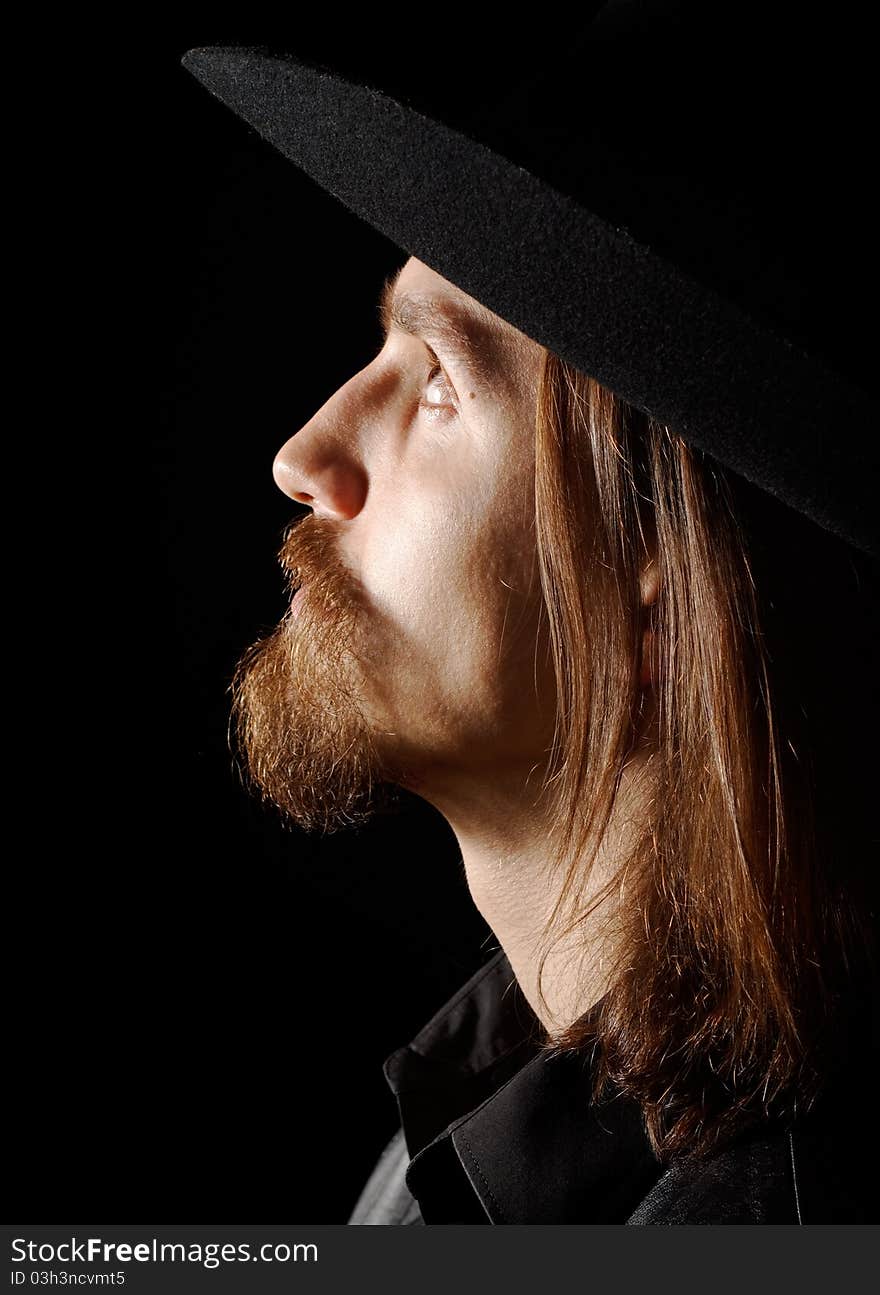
(286, 481)
(340, 481)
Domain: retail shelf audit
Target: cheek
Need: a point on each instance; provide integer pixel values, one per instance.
(427, 576)
(454, 578)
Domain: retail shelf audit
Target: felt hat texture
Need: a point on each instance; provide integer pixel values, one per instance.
(677, 202)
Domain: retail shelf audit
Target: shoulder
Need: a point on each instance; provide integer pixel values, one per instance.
(750, 1182)
(815, 1172)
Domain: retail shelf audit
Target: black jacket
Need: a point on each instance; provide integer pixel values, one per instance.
(492, 1132)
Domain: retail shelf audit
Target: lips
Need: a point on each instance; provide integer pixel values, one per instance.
(297, 601)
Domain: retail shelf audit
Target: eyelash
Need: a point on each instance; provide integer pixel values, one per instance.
(434, 372)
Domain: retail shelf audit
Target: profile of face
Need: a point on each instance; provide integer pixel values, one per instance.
(414, 652)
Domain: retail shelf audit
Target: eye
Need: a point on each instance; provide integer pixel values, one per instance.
(438, 385)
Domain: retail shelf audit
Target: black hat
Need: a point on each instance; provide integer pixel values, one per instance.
(677, 202)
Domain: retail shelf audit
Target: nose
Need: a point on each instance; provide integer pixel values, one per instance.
(322, 464)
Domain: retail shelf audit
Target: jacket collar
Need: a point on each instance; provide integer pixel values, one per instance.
(492, 1123)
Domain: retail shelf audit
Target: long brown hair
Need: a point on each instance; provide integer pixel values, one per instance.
(745, 907)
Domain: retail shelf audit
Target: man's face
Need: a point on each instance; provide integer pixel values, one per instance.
(416, 652)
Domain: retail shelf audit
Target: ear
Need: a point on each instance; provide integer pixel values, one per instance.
(649, 587)
(649, 582)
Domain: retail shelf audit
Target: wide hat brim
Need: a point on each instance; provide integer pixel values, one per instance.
(744, 393)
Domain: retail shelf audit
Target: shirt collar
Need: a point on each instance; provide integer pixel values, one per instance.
(499, 1132)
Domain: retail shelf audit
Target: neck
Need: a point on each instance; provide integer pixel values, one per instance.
(505, 832)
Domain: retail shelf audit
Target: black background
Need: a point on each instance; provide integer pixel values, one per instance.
(199, 1001)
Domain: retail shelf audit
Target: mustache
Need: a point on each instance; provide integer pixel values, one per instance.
(297, 728)
(310, 556)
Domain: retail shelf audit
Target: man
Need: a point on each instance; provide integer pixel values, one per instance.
(417, 653)
(591, 647)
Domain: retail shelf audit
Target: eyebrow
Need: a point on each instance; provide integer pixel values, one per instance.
(457, 329)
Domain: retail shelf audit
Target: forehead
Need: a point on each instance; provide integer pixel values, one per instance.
(416, 278)
(503, 342)
(415, 275)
